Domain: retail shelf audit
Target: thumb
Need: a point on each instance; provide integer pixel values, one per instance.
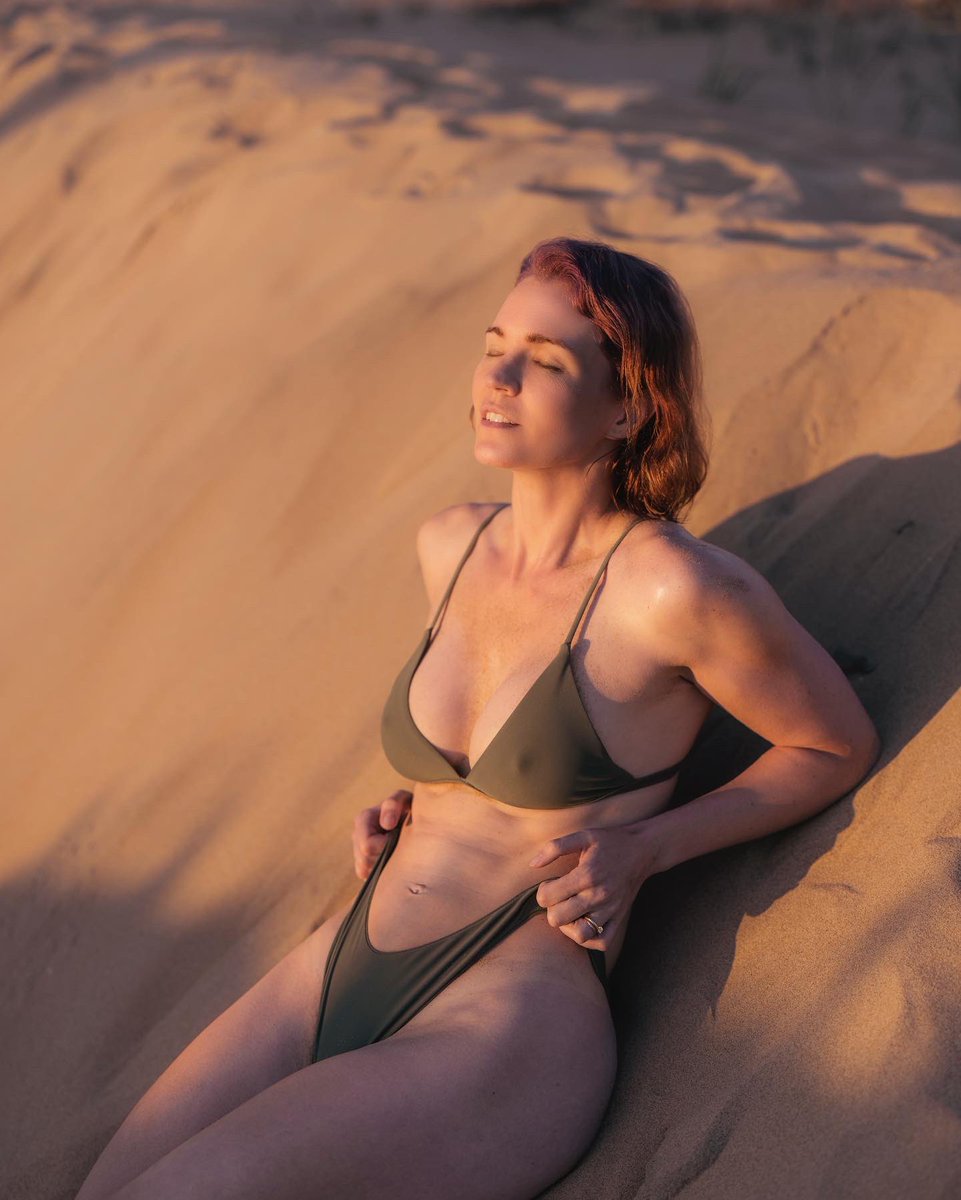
(391, 809)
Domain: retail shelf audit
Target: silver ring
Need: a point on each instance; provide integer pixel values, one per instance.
(598, 929)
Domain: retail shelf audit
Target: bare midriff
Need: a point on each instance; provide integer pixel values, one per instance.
(464, 853)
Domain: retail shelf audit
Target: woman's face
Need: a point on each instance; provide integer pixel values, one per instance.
(560, 398)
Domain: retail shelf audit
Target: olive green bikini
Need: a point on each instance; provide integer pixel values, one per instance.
(547, 754)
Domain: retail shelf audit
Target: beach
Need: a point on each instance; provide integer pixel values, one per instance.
(249, 254)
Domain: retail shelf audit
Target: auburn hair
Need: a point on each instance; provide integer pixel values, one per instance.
(648, 335)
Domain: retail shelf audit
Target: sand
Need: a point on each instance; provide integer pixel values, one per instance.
(248, 254)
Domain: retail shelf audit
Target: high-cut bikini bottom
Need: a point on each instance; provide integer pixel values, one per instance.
(368, 994)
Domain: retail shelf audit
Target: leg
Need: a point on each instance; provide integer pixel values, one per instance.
(491, 1092)
(262, 1037)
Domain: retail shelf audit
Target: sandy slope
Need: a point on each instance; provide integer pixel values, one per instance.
(247, 260)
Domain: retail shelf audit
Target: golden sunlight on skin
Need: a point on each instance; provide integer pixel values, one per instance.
(254, 276)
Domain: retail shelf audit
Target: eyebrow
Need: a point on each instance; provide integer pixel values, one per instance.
(536, 338)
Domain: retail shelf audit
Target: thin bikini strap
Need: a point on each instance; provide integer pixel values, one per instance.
(464, 557)
(590, 591)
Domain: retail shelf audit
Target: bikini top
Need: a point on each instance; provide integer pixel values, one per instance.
(547, 754)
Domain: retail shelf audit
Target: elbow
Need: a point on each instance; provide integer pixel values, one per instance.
(873, 745)
(863, 754)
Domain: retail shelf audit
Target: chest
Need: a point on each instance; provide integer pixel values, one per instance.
(490, 651)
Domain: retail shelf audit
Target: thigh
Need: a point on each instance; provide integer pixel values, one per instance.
(265, 1035)
(493, 1091)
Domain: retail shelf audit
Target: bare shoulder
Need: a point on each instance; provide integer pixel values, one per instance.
(692, 569)
(685, 589)
(720, 623)
(448, 531)
(443, 537)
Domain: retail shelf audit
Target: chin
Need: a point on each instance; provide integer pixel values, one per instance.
(490, 456)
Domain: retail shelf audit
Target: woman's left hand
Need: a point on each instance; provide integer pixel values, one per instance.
(613, 863)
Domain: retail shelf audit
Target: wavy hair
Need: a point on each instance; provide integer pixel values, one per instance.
(648, 336)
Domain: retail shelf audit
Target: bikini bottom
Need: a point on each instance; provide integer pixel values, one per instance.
(368, 994)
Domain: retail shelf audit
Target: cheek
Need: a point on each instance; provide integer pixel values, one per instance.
(572, 412)
(480, 383)
(558, 427)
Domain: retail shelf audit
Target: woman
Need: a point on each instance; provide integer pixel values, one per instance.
(448, 1032)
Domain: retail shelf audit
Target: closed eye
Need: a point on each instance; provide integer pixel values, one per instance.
(546, 366)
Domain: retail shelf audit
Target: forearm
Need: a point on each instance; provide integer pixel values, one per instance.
(784, 785)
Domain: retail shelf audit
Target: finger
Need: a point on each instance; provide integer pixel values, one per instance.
(570, 843)
(566, 912)
(365, 856)
(363, 833)
(555, 891)
(569, 912)
(393, 807)
(608, 921)
(372, 845)
(584, 935)
(366, 820)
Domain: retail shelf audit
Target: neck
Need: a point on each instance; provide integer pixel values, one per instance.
(549, 528)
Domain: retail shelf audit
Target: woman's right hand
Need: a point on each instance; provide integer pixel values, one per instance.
(370, 825)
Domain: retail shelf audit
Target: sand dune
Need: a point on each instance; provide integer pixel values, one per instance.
(248, 257)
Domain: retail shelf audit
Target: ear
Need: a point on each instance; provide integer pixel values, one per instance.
(617, 430)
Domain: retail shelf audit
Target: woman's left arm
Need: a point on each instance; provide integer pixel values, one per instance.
(747, 652)
(737, 642)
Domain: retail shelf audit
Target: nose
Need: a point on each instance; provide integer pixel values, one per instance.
(503, 379)
(499, 373)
